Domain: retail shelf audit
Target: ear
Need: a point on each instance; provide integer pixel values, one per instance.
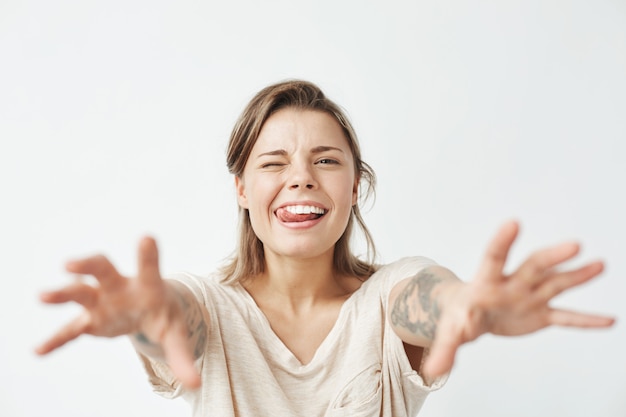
(241, 192)
(355, 191)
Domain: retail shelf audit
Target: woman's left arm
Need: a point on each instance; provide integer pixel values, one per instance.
(435, 309)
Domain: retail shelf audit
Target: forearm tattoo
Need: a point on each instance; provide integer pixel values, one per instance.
(196, 329)
(196, 326)
(415, 309)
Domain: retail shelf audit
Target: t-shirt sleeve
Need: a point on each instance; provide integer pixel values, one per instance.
(160, 376)
(404, 268)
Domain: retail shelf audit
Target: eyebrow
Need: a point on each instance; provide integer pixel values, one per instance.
(280, 152)
(315, 150)
(320, 149)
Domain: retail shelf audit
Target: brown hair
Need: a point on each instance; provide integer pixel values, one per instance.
(248, 260)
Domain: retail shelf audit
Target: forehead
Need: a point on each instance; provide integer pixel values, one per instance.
(292, 128)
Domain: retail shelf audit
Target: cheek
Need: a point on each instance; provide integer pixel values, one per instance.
(346, 189)
(343, 202)
(261, 194)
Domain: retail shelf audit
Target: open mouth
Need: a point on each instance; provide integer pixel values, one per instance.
(290, 214)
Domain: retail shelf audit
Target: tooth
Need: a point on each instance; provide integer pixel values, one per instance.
(305, 209)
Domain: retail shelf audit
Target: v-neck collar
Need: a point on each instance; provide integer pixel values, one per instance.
(281, 354)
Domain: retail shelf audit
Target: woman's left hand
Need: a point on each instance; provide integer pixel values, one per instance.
(510, 305)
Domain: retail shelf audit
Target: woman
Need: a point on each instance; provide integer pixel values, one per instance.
(295, 324)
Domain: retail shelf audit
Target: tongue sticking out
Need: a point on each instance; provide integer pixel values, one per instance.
(288, 217)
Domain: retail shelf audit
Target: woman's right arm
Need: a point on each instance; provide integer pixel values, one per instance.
(163, 318)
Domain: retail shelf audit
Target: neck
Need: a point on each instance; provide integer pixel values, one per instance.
(297, 283)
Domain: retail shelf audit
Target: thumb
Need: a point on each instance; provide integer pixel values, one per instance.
(179, 357)
(442, 351)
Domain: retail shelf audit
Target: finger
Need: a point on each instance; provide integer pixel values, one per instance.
(497, 252)
(148, 259)
(563, 281)
(179, 357)
(575, 319)
(442, 352)
(534, 269)
(67, 333)
(100, 267)
(78, 292)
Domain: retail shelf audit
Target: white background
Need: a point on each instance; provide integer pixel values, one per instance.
(114, 119)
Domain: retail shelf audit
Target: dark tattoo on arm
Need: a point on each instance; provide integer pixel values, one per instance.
(415, 309)
(141, 338)
(196, 325)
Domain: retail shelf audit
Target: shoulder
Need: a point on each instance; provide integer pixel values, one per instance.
(404, 267)
(204, 287)
(387, 275)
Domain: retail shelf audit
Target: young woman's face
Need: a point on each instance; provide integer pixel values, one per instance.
(299, 184)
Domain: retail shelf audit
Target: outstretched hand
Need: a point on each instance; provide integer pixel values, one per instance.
(510, 305)
(118, 305)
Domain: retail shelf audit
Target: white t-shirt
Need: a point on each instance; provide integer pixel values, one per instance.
(360, 369)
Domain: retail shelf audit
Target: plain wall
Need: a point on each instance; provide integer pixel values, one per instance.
(114, 119)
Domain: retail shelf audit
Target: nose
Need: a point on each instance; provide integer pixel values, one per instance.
(302, 176)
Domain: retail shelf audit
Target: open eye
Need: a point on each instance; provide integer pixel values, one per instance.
(328, 161)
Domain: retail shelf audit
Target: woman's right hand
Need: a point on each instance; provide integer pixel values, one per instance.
(146, 305)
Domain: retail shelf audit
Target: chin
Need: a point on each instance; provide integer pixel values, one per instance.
(302, 251)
